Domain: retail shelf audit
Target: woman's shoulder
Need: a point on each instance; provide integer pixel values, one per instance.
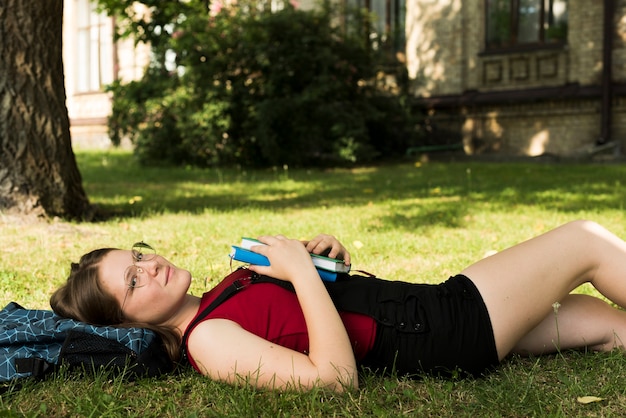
(207, 339)
(210, 329)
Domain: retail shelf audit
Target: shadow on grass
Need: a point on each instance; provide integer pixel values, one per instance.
(436, 193)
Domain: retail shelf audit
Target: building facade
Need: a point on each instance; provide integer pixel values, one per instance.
(517, 77)
(520, 77)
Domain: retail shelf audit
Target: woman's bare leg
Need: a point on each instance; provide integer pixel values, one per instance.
(578, 321)
(520, 285)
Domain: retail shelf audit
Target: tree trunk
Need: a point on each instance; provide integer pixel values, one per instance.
(38, 171)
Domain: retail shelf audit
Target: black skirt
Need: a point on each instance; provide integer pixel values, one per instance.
(434, 329)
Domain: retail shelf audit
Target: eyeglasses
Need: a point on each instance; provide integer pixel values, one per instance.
(140, 252)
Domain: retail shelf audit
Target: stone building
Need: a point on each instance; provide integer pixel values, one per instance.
(520, 77)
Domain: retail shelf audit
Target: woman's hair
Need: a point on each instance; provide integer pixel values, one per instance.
(84, 299)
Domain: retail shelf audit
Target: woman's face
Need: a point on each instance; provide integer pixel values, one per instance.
(160, 291)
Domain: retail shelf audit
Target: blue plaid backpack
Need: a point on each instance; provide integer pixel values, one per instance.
(33, 343)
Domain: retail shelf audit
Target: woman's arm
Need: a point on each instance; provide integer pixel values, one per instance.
(330, 351)
(225, 350)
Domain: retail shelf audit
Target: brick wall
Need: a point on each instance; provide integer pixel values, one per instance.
(558, 128)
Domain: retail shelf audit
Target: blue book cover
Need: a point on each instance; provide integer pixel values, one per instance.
(320, 261)
(327, 276)
(249, 257)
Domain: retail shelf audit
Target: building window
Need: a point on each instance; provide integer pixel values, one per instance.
(94, 48)
(388, 25)
(525, 23)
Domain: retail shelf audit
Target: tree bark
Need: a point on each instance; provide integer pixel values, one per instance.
(38, 171)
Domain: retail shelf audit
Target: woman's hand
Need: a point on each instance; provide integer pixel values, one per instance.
(289, 259)
(329, 246)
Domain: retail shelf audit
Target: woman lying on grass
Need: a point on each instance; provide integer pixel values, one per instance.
(275, 338)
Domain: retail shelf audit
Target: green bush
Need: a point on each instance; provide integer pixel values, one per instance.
(256, 87)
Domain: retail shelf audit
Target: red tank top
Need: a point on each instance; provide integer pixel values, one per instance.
(273, 313)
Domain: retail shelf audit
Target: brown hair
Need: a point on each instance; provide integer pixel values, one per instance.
(84, 299)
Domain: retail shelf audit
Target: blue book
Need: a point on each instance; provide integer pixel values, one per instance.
(321, 262)
(249, 257)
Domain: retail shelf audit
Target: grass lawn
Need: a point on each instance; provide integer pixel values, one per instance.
(406, 221)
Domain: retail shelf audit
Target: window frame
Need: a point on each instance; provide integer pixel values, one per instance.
(393, 24)
(92, 47)
(512, 44)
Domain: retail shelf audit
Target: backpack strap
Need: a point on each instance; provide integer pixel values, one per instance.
(37, 367)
